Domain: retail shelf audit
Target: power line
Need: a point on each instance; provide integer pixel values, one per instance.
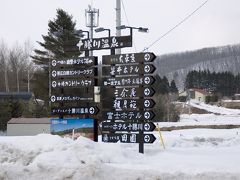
(181, 22)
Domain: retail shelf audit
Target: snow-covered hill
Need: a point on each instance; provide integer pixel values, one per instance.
(216, 59)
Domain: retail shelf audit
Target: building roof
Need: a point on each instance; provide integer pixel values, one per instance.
(200, 91)
(29, 121)
(16, 95)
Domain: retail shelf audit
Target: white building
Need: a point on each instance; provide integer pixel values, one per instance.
(28, 126)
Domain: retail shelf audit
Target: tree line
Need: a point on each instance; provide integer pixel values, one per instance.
(221, 84)
(16, 67)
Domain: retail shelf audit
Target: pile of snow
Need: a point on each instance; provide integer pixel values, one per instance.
(189, 154)
(214, 109)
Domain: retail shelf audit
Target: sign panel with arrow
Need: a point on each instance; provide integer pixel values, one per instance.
(128, 81)
(92, 110)
(126, 92)
(120, 70)
(127, 138)
(132, 104)
(128, 115)
(81, 61)
(127, 126)
(130, 58)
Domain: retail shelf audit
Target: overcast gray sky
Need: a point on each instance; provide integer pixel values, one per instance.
(215, 24)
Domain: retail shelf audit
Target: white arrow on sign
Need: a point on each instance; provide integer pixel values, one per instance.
(54, 73)
(147, 91)
(147, 68)
(53, 98)
(54, 84)
(147, 115)
(146, 126)
(146, 138)
(54, 62)
(91, 110)
(147, 80)
(147, 57)
(147, 103)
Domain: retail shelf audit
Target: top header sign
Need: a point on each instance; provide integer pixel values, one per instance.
(128, 58)
(105, 43)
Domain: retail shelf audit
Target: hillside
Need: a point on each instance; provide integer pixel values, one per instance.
(215, 59)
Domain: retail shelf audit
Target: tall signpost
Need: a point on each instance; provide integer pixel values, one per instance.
(127, 95)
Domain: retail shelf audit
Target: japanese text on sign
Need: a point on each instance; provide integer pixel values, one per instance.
(80, 61)
(105, 43)
(66, 73)
(73, 83)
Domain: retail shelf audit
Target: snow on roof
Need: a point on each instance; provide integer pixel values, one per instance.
(29, 121)
(200, 91)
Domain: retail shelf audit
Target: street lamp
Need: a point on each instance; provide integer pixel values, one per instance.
(80, 33)
(103, 29)
(140, 29)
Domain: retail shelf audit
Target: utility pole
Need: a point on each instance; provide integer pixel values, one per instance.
(92, 21)
(118, 21)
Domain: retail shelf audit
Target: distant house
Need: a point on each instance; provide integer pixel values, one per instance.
(197, 94)
(183, 93)
(28, 126)
(237, 96)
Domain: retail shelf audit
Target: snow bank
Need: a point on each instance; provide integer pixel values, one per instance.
(189, 154)
(214, 109)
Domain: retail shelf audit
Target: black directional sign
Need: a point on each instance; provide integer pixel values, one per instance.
(87, 72)
(123, 104)
(128, 115)
(128, 70)
(128, 58)
(87, 82)
(128, 81)
(86, 61)
(105, 43)
(127, 126)
(69, 98)
(92, 110)
(127, 138)
(123, 93)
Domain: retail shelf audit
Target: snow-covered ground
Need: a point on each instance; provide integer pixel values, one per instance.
(198, 154)
(189, 154)
(214, 109)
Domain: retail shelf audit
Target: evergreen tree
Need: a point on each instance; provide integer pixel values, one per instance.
(60, 42)
(5, 114)
(237, 84)
(164, 86)
(224, 83)
(173, 88)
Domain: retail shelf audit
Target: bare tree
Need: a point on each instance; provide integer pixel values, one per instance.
(30, 67)
(4, 63)
(18, 63)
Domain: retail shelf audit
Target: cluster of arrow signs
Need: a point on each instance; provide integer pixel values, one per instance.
(127, 103)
